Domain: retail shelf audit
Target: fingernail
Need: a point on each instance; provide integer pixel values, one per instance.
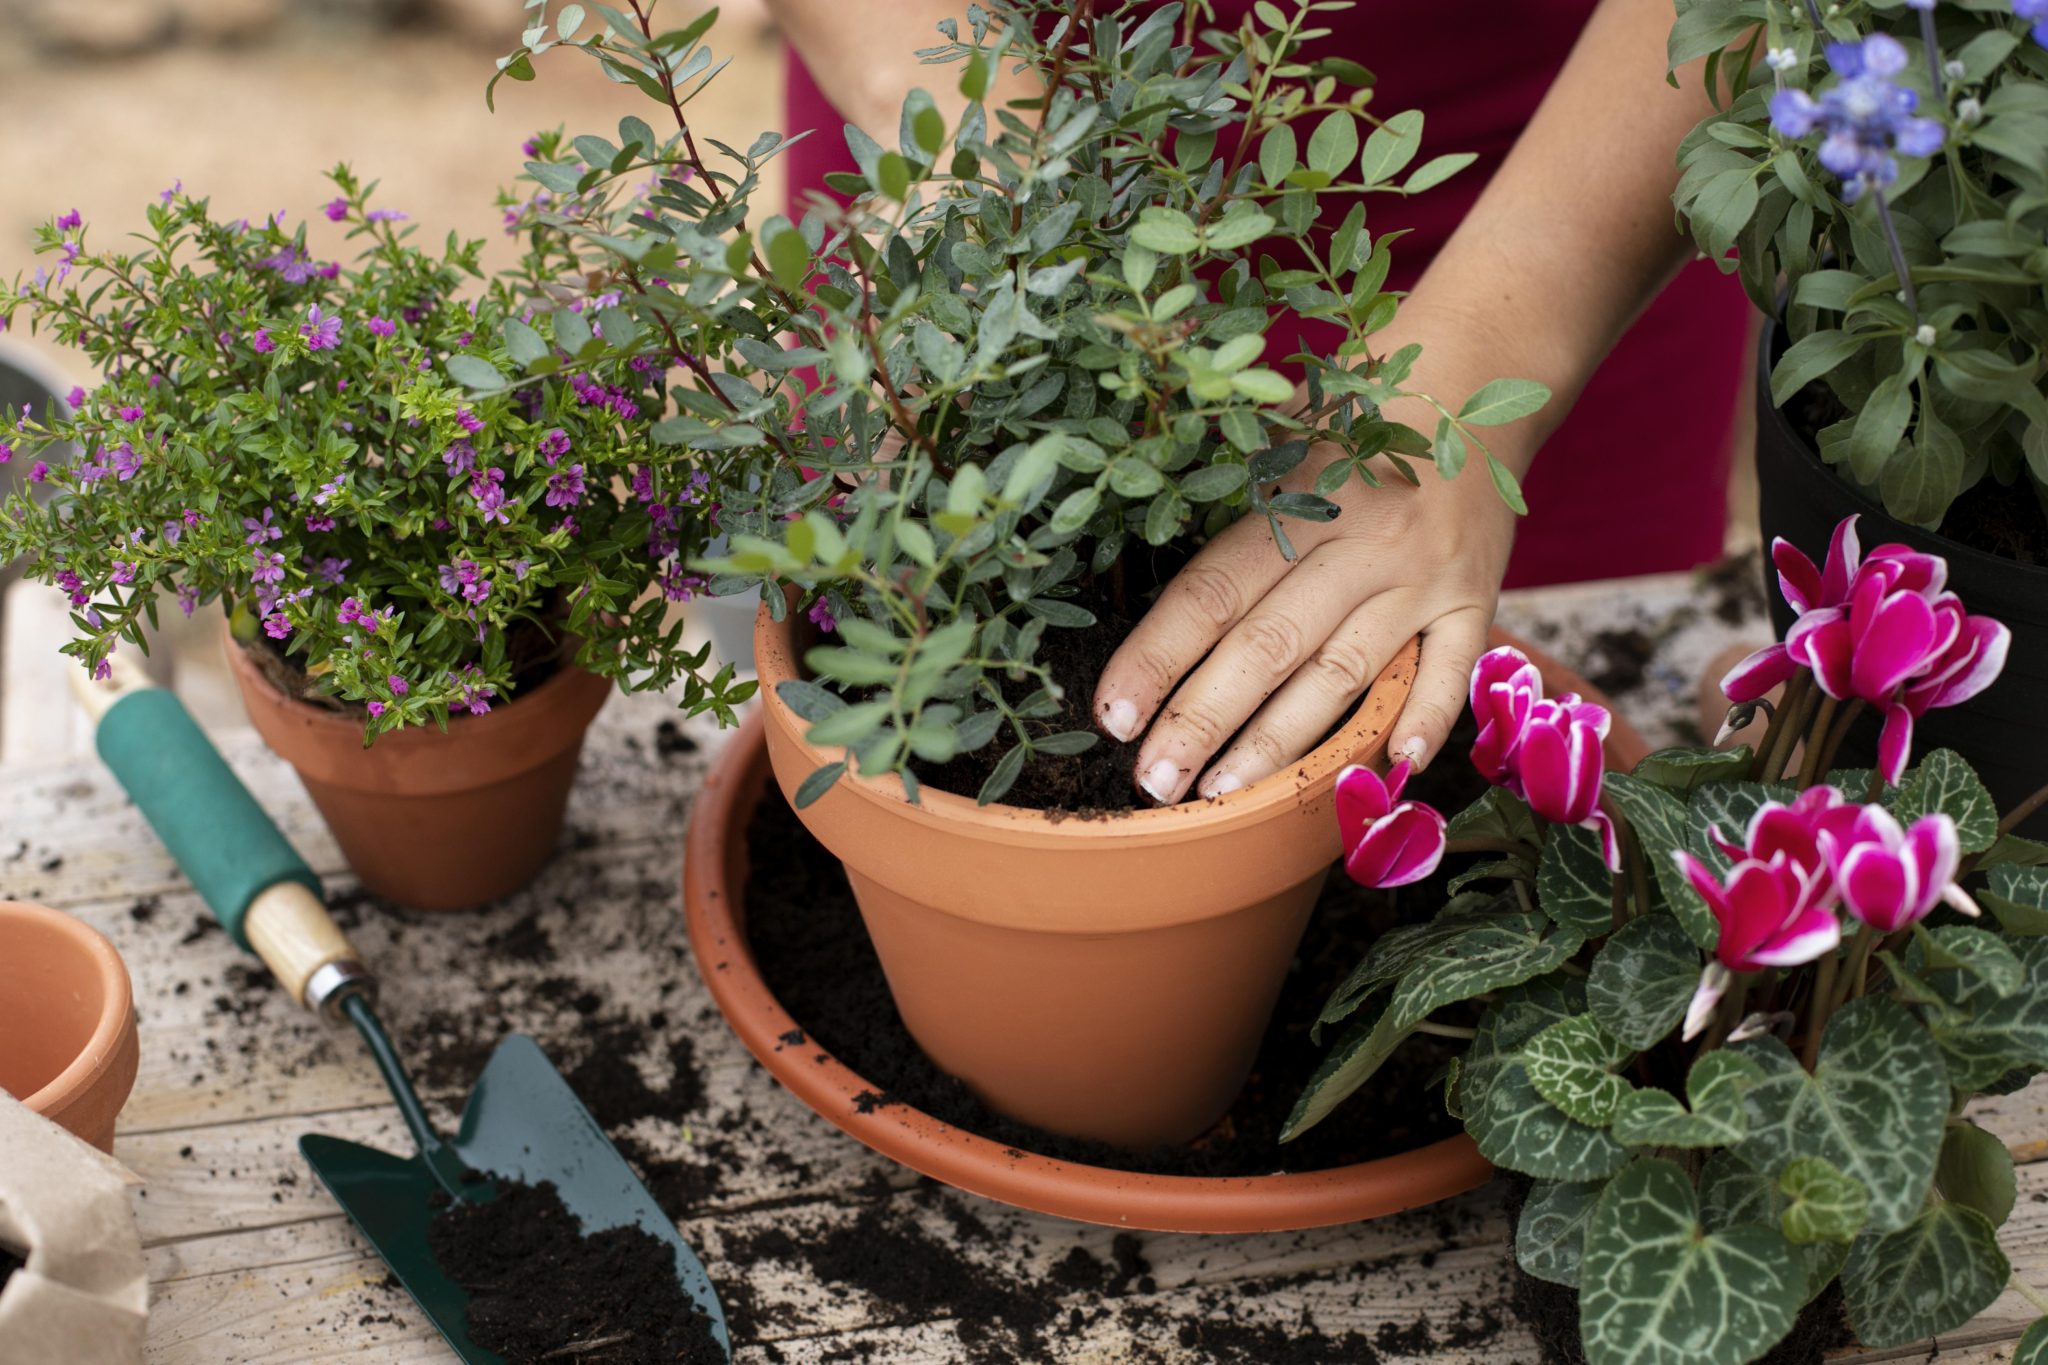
(1120, 718)
(1222, 784)
(1412, 749)
(1159, 781)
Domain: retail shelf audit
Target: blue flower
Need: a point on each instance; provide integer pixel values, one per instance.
(1866, 116)
(2036, 11)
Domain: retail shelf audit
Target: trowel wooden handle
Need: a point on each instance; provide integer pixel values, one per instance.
(249, 875)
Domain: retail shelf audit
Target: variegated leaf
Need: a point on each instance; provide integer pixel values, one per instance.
(1930, 1276)
(1654, 1118)
(1823, 1204)
(1642, 979)
(1571, 1064)
(1550, 1235)
(1731, 1194)
(1573, 885)
(1983, 1035)
(1943, 782)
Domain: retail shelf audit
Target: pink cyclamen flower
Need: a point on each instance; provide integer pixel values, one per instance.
(1546, 750)
(1889, 877)
(1771, 914)
(1387, 841)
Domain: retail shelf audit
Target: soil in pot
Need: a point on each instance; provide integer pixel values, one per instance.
(814, 954)
(542, 1290)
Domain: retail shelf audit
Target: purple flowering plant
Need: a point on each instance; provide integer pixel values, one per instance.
(1877, 174)
(1726, 1011)
(282, 427)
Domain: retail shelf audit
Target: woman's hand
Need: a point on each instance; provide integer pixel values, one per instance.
(1242, 635)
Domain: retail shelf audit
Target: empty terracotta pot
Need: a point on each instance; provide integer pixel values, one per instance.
(68, 1048)
(1105, 978)
(433, 819)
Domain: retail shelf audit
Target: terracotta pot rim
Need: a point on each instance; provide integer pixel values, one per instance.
(1364, 732)
(118, 1008)
(569, 676)
(979, 1165)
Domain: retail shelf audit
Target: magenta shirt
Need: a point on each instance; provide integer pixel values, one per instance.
(1635, 480)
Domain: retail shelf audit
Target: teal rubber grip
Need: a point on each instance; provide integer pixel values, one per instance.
(226, 844)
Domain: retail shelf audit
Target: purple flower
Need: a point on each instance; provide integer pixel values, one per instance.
(67, 221)
(124, 572)
(269, 567)
(1866, 116)
(336, 209)
(464, 579)
(330, 489)
(376, 710)
(555, 444)
(693, 492)
(38, 471)
(397, 685)
(487, 487)
(385, 216)
(351, 613)
(643, 483)
(459, 458)
(678, 586)
(261, 342)
(2036, 12)
(188, 599)
(6, 452)
(276, 626)
(330, 570)
(173, 532)
(321, 334)
(129, 412)
(531, 147)
(566, 489)
(289, 262)
(821, 616)
(262, 528)
(69, 581)
(126, 460)
(314, 523)
(1387, 841)
(329, 271)
(475, 692)
(76, 398)
(176, 187)
(382, 327)
(468, 421)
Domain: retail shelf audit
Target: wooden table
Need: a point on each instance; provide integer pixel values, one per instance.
(251, 1261)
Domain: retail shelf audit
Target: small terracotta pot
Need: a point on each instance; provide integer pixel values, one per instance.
(68, 1048)
(431, 819)
(1107, 979)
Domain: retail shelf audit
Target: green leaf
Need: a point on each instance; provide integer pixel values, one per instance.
(1236, 230)
(1880, 425)
(1571, 1064)
(1660, 823)
(1002, 778)
(1212, 482)
(1715, 1087)
(1573, 884)
(1825, 1205)
(1390, 147)
(1504, 400)
(1506, 485)
(2033, 1347)
(1928, 1277)
(818, 782)
(974, 78)
(475, 373)
(1980, 952)
(808, 700)
(1167, 230)
(1551, 1232)
(1976, 1169)
(850, 726)
(2018, 899)
(892, 176)
(789, 259)
(1723, 208)
(1657, 1288)
(1810, 357)
(1943, 781)
(1513, 1125)
(1075, 511)
(1263, 385)
(1874, 1107)
(1436, 170)
(1642, 980)
(1276, 154)
(1984, 1035)
(1334, 142)
(1685, 769)
(1731, 1194)
(1728, 807)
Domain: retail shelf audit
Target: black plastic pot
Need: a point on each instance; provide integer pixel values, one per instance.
(2003, 730)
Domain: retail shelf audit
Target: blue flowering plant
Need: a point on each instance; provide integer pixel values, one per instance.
(1877, 172)
(290, 437)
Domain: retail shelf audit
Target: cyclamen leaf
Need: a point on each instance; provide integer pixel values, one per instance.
(1550, 1235)
(1715, 1086)
(1826, 1206)
(1573, 885)
(1514, 1126)
(1685, 769)
(2018, 899)
(1571, 1064)
(1979, 952)
(1642, 980)
(1983, 1035)
(1656, 1288)
(1393, 953)
(1660, 824)
(1874, 1107)
(2033, 1347)
(1728, 807)
(1977, 1170)
(1731, 1195)
(1943, 781)
(1929, 1277)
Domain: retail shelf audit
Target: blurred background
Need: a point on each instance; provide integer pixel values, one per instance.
(249, 102)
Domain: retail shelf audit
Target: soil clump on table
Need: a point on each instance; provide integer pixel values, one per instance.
(815, 955)
(542, 1289)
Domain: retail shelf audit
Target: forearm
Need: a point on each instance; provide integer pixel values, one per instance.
(863, 55)
(1574, 235)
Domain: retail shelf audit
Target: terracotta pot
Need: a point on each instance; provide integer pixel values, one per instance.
(714, 879)
(431, 819)
(68, 1048)
(1108, 979)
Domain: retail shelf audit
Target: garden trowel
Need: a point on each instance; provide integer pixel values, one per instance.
(522, 1121)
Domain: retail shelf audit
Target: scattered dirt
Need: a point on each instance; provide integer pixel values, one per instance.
(543, 1290)
(815, 955)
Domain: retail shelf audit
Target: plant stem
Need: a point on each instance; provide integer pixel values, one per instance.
(1898, 252)
(1933, 46)
(1813, 13)
(1776, 753)
(2018, 814)
(1837, 736)
(1432, 1027)
(1728, 1015)
(1821, 723)
(1817, 1017)
(1859, 962)
(2029, 1293)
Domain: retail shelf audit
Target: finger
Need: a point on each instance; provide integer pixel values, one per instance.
(1326, 686)
(1247, 666)
(1201, 603)
(1450, 647)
